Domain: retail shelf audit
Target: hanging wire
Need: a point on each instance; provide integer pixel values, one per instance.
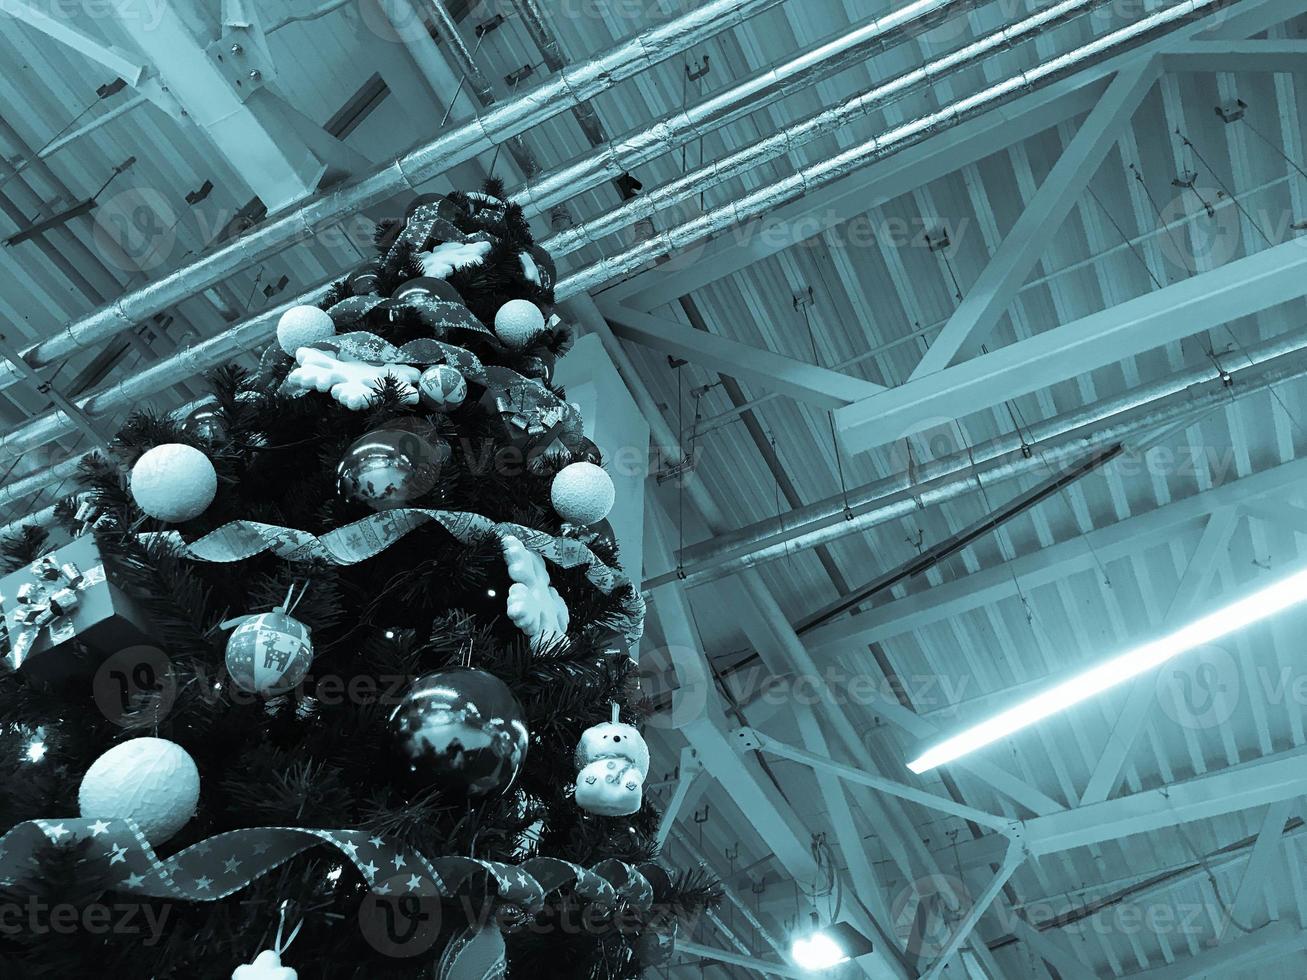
(1273, 146)
(1229, 331)
(1223, 186)
(1134, 249)
(830, 415)
(1161, 220)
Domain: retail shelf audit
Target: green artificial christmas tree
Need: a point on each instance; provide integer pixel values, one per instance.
(329, 676)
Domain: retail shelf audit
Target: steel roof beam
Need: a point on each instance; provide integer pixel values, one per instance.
(1271, 942)
(1253, 784)
(765, 967)
(1058, 561)
(993, 292)
(271, 146)
(967, 142)
(704, 727)
(1264, 866)
(119, 62)
(1202, 302)
(1052, 949)
(1193, 587)
(800, 380)
(1274, 55)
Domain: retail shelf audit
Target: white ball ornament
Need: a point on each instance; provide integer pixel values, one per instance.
(149, 780)
(301, 326)
(582, 493)
(519, 322)
(174, 482)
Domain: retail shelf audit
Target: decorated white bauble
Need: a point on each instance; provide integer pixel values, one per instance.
(149, 780)
(610, 788)
(174, 482)
(269, 654)
(613, 740)
(582, 493)
(442, 388)
(301, 326)
(519, 322)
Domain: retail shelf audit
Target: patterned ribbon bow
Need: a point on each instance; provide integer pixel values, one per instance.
(48, 602)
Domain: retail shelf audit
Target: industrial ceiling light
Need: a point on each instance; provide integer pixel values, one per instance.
(824, 948)
(1253, 608)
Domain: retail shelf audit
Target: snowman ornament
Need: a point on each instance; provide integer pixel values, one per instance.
(612, 761)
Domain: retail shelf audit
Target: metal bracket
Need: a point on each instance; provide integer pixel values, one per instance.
(938, 239)
(519, 75)
(43, 387)
(1232, 111)
(704, 69)
(746, 740)
(242, 57)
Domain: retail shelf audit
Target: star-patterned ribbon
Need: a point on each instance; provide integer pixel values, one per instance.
(368, 537)
(226, 863)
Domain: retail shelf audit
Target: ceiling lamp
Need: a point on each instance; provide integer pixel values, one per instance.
(1253, 608)
(824, 948)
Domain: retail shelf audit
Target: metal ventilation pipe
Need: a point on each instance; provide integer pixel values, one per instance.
(794, 187)
(1006, 457)
(695, 182)
(556, 95)
(542, 35)
(447, 27)
(687, 125)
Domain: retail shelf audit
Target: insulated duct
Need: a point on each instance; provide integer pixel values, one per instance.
(792, 188)
(473, 77)
(683, 127)
(552, 97)
(692, 184)
(1063, 437)
(107, 322)
(533, 19)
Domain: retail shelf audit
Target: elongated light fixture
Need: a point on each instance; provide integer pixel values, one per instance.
(1253, 608)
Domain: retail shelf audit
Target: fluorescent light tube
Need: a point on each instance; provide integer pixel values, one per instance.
(1253, 608)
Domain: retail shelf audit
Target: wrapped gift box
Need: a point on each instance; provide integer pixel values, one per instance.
(62, 615)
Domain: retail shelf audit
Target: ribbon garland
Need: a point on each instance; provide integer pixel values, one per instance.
(47, 602)
(225, 863)
(366, 538)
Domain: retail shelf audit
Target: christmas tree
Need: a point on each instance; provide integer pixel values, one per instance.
(331, 673)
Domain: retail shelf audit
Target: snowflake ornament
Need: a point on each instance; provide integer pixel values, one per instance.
(534, 606)
(267, 966)
(448, 256)
(352, 383)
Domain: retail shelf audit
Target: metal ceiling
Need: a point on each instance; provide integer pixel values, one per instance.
(1013, 286)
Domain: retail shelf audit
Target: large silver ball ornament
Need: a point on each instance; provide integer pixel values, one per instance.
(391, 467)
(462, 732)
